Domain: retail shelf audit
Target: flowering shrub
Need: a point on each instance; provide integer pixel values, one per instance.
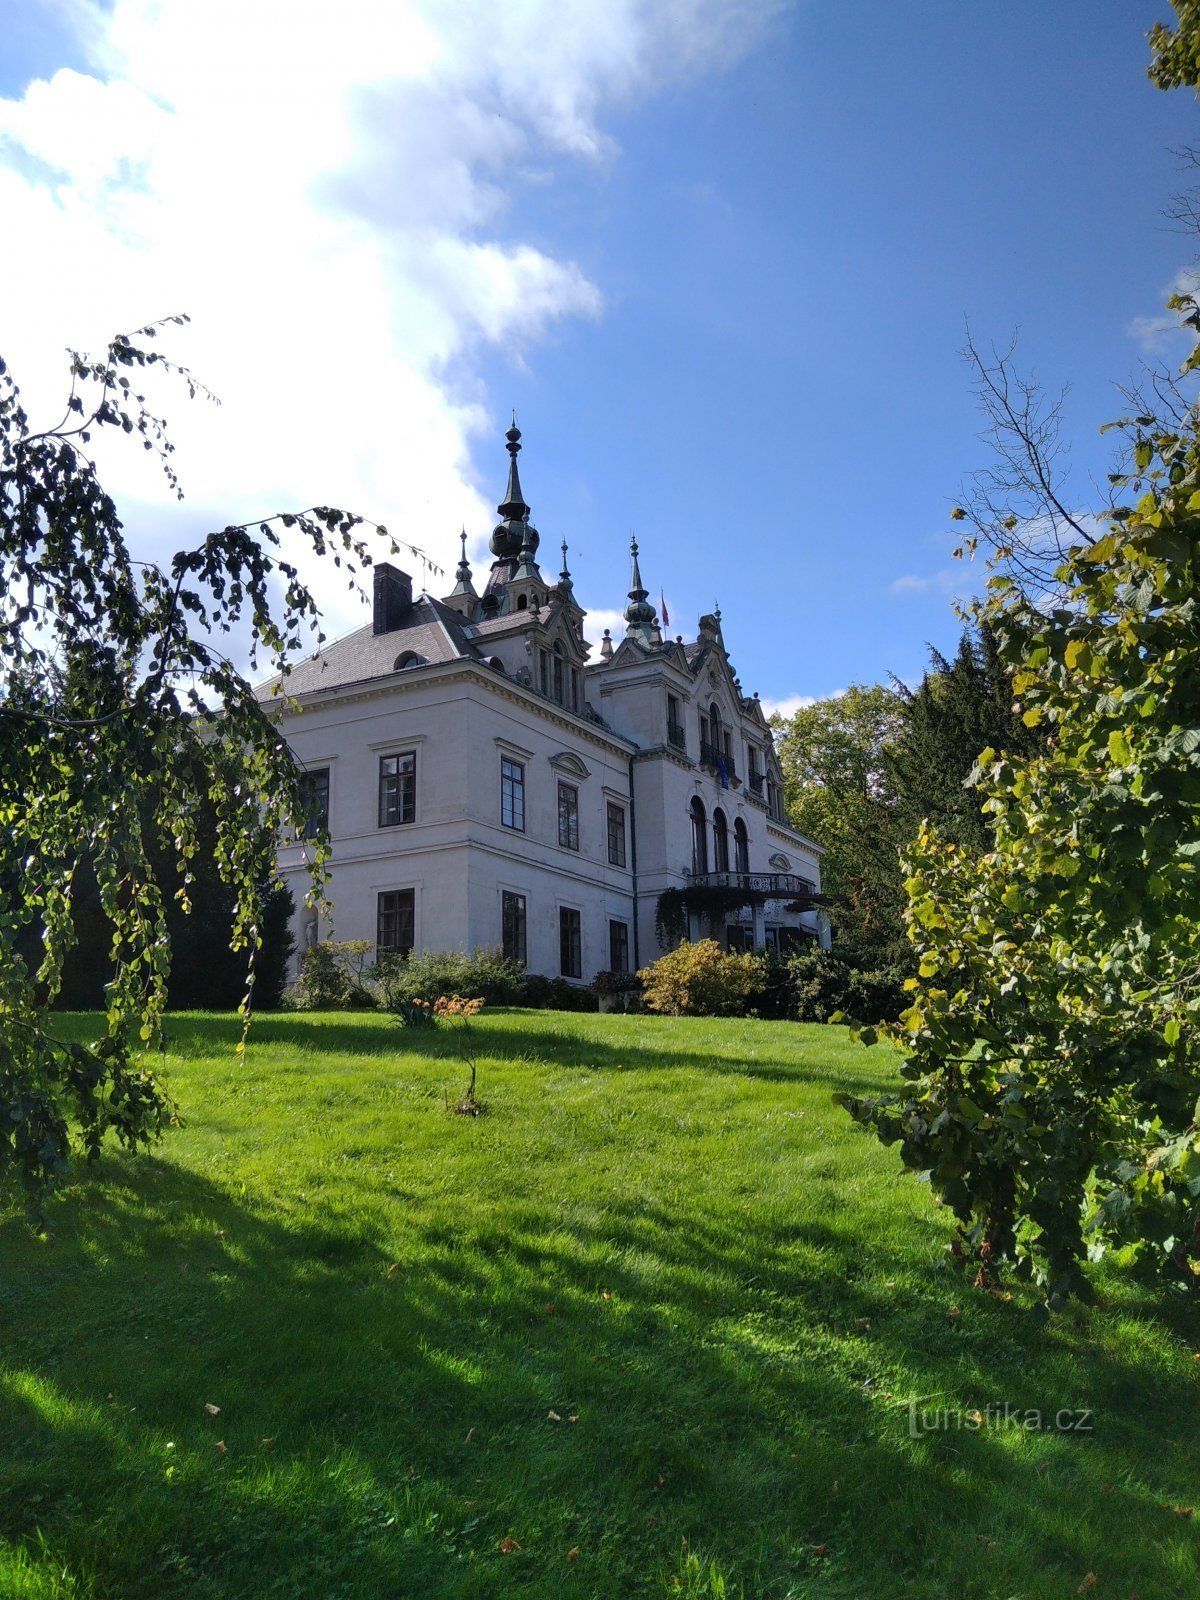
(702, 980)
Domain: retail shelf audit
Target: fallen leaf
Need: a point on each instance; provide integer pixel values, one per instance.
(551, 1308)
(572, 1417)
(393, 1268)
(817, 1549)
(268, 1444)
(954, 1312)
(862, 1322)
(221, 1446)
(213, 1411)
(553, 1416)
(470, 1431)
(1181, 1511)
(891, 1284)
(1088, 1583)
(507, 1546)
(607, 1296)
(573, 1553)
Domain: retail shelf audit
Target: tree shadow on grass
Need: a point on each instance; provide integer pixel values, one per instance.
(386, 1381)
(747, 1050)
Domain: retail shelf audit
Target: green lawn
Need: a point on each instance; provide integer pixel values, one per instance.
(664, 1234)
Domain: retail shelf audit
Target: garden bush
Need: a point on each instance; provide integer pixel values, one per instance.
(336, 975)
(824, 982)
(487, 974)
(702, 980)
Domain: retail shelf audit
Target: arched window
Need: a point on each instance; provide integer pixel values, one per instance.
(741, 847)
(720, 842)
(406, 658)
(522, 602)
(699, 836)
(559, 675)
(496, 664)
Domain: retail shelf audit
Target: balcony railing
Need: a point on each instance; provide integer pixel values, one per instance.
(710, 756)
(774, 885)
(758, 782)
(676, 735)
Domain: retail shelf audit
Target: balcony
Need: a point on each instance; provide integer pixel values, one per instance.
(676, 736)
(765, 885)
(710, 756)
(758, 784)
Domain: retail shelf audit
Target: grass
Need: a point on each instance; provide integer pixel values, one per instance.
(662, 1233)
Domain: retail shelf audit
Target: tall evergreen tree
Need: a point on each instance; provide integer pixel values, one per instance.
(960, 708)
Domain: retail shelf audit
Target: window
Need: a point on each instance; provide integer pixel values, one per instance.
(522, 602)
(512, 794)
(397, 789)
(616, 835)
(741, 847)
(394, 922)
(739, 938)
(314, 790)
(618, 947)
(720, 842)
(544, 670)
(559, 669)
(699, 836)
(675, 733)
(512, 926)
(568, 816)
(574, 690)
(570, 944)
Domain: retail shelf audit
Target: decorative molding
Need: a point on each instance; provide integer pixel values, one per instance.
(567, 761)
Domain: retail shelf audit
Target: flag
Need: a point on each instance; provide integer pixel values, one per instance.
(723, 772)
(662, 606)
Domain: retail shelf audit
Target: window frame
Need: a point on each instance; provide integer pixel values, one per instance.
(570, 942)
(512, 793)
(618, 856)
(400, 791)
(316, 818)
(514, 906)
(397, 912)
(568, 819)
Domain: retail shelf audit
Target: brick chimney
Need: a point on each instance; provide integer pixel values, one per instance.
(393, 597)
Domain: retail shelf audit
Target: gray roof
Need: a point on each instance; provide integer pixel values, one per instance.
(433, 632)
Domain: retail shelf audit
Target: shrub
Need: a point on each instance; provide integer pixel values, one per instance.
(556, 994)
(335, 975)
(824, 982)
(702, 980)
(426, 974)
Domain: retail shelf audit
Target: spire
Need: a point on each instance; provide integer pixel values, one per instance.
(509, 535)
(606, 646)
(513, 508)
(564, 577)
(639, 614)
(463, 587)
(527, 567)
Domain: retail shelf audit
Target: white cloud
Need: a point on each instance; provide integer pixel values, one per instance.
(328, 192)
(1161, 336)
(595, 623)
(790, 704)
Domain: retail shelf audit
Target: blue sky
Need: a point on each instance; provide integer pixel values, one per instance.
(718, 256)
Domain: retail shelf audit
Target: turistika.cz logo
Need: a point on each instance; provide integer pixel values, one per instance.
(924, 1418)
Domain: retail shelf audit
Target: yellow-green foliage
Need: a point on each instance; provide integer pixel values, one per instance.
(701, 980)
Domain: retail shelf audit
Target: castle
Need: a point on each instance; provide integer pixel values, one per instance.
(485, 784)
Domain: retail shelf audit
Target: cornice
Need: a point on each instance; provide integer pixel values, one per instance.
(368, 689)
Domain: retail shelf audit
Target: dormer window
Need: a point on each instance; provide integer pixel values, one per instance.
(522, 602)
(408, 658)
